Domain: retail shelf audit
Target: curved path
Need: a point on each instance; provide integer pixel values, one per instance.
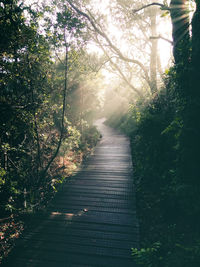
(92, 221)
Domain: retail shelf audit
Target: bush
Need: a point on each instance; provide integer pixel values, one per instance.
(167, 203)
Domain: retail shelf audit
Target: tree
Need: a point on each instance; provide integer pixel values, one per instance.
(104, 38)
(25, 66)
(190, 137)
(66, 29)
(30, 138)
(180, 26)
(145, 26)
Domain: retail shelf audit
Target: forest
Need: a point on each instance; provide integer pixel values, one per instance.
(64, 64)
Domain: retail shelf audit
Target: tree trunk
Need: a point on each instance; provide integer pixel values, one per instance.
(154, 51)
(189, 85)
(193, 104)
(180, 30)
(63, 112)
(196, 49)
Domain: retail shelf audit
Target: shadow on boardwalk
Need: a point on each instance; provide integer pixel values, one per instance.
(92, 221)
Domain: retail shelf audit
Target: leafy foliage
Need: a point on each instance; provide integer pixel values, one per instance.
(167, 202)
(165, 147)
(31, 102)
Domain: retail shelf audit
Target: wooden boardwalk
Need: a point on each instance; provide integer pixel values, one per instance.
(92, 221)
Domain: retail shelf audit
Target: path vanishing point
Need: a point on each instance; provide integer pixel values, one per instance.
(92, 220)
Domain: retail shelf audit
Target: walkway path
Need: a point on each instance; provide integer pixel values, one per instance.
(92, 221)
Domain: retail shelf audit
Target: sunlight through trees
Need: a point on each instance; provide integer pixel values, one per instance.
(65, 63)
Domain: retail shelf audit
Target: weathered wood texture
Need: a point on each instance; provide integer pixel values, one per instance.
(92, 221)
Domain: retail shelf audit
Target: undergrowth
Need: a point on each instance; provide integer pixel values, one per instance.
(167, 204)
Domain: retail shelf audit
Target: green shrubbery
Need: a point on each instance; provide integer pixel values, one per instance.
(46, 111)
(167, 205)
(43, 124)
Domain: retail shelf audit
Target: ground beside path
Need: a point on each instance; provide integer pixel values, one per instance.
(92, 221)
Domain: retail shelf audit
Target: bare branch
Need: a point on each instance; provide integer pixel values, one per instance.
(119, 70)
(60, 60)
(13, 164)
(102, 64)
(161, 37)
(163, 7)
(125, 79)
(124, 58)
(63, 112)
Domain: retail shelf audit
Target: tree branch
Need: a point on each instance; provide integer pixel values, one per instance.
(163, 38)
(102, 64)
(110, 43)
(163, 7)
(63, 111)
(119, 70)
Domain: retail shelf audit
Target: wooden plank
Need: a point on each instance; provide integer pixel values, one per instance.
(76, 232)
(53, 226)
(106, 197)
(76, 207)
(92, 221)
(71, 260)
